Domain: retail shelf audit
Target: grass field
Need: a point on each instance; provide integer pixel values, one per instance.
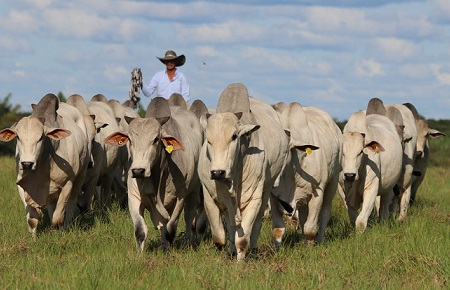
(98, 251)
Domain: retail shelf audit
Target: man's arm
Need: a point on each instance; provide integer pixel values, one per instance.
(149, 89)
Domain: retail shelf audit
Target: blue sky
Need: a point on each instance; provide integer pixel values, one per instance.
(331, 54)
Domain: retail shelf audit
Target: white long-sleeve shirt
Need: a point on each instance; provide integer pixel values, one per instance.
(165, 88)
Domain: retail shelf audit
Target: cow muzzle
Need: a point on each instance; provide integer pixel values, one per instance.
(27, 165)
(137, 173)
(350, 176)
(419, 154)
(217, 174)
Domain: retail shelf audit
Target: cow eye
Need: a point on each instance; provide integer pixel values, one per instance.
(234, 136)
(155, 140)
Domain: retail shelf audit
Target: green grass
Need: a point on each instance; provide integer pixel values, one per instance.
(98, 252)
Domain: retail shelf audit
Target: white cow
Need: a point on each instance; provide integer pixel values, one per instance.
(424, 132)
(51, 161)
(310, 178)
(163, 175)
(409, 155)
(371, 165)
(105, 165)
(240, 160)
(119, 184)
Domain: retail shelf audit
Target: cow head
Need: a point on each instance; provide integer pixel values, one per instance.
(355, 148)
(31, 133)
(147, 140)
(225, 135)
(423, 134)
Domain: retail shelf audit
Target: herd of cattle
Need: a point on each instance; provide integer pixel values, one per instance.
(222, 168)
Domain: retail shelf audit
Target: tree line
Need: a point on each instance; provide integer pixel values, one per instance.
(11, 113)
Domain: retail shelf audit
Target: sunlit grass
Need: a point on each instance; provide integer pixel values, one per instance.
(99, 252)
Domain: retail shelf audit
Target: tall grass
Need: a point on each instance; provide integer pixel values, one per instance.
(98, 252)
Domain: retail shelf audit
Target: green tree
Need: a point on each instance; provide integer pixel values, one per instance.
(61, 97)
(6, 107)
(9, 114)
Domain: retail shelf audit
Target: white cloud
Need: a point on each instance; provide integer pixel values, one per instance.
(41, 4)
(442, 77)
(226, 32)
(339, 20)
(369, 68)
(335, 55)
(443, 8)
(17, 21)
(396, 49)
(14, 44)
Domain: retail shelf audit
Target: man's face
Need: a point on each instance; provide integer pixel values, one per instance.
(170, 64)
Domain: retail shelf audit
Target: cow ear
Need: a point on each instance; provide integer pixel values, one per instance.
(117, 139)
(162, 120)
(204, 120)
(100, 125)
(302, 146)
(7, 135)
(307, 148)
(129, 119)
(247, 129)
(374, 146)
(58, 134)
(171, 144)
(435, 133)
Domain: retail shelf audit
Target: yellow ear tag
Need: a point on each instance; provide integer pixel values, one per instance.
(120, 142)
(308, 151)
(376, 149)
(7, 137)
(169, 148)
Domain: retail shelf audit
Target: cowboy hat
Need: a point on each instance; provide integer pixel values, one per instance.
(171, 55)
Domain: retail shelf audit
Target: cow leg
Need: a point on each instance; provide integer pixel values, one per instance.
(247, 234)
(325, 211)
(278, 225)
(257, 224)
(385, 202)
(368, 203)
(303, 212)
(190, 207)
(31, 213)
(32, 219)
(85, 199)
(137, 215)
(215, 220)
(417, 181)
(105, 195)
(62, 204)
(405, 196)
(312, 222)
(169, 231)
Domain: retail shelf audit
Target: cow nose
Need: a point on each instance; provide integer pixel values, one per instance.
(217, 174)
(350, 176)
(27, 165)
(137, 172)
(419, 154)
